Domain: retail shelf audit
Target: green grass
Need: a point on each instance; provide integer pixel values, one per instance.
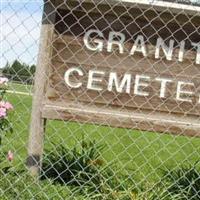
(24, 187)
(17, 87)
(139, 154)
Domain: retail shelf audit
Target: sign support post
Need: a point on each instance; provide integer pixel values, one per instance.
(37, 127)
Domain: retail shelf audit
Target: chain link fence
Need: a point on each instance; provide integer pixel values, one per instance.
(92, 157)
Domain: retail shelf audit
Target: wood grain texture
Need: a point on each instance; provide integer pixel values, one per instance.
(58, 90)
(37, 126)
(100, 115)
(150, 25)
(69, 51)
(35, 147)
(159, 6)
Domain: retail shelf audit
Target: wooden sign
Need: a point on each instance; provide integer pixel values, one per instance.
(127, 64)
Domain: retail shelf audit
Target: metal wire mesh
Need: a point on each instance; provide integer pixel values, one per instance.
(86, 159)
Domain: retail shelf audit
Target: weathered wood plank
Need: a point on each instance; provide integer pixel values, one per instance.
(72, 49)
(150, 28)
(69, 51)
(159, 6)
(35, 147)
(58, 90)
(131, 119)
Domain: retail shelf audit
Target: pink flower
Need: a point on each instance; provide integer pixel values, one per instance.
(10, 155)
(3, 80)
(6, 105)
(2, 112)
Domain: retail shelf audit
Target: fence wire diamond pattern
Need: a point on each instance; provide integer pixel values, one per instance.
(101, 155)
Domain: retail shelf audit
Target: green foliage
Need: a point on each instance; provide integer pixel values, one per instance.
(112, 186)
(184, 182)
(74, 166)
(15, 184)
(18, 71)
(5, 124)
(157, 191)
(82, 167)
(2, 93)
(5, 127)
(32, 69)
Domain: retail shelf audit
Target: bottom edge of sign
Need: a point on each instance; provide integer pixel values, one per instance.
(156, 122)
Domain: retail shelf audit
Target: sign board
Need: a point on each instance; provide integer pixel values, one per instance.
(128, 64)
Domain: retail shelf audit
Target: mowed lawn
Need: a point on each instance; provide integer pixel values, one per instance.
(139, 154)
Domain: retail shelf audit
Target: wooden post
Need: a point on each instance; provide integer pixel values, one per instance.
(35, 147)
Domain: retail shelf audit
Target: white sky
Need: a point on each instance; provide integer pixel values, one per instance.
(19, 30)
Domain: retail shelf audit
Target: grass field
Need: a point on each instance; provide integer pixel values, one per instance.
(138, 154)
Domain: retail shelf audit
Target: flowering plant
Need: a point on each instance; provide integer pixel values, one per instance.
(5, 107)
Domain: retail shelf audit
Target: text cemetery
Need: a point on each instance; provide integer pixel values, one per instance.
(136, 84)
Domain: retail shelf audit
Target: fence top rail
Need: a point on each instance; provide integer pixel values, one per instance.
(192, 9)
